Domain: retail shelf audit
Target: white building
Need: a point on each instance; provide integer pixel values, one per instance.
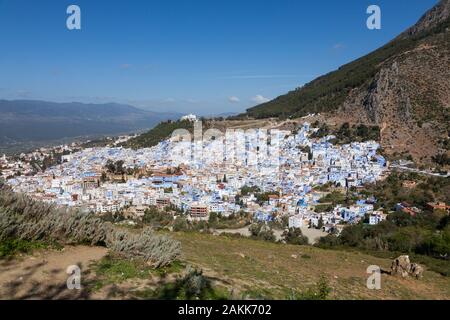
(190, 117)
(296, 221)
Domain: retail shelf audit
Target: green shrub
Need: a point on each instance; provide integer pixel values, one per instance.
(25, 219)
(192, 286)
(159, 250)
(11, 247)
(320, 291)
(295, 236)
(262, 231)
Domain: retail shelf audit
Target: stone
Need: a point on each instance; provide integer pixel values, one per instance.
(417, 270)
(403, 267)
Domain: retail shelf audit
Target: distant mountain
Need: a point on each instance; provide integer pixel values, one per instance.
(25, 121)
(222, 115)
(403, 87)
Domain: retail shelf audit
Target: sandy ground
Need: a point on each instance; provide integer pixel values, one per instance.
(313, 235)
(43, 274)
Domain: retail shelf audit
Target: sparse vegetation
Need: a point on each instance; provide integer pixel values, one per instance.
(427, 233)
(114, 270)
(11, 247)
(246, 190)
(328, 92)
(233, 221)
(334, 198)
(295, 236)
(400, 233)
(346, 134)
(158, 133)
(321, 291)
(157, 218)
(24, 219)
(262, 231)
(391, 191)
(266, 270)
(192, 286)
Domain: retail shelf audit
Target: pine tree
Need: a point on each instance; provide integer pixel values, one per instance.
(320, 223)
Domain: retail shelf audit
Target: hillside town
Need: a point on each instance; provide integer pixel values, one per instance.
(115, 179)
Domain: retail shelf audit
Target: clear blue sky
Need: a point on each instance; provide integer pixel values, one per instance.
(202, 56)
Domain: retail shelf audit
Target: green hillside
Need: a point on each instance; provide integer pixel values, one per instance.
(328, 92)
(260, 269)
(157, 134)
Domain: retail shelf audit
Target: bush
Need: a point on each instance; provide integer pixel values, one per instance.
(11, 247)
(192, 286)
(181, 224)
(156, 218)
(295, 236)
(321, 291)
(25, 219)
(328, 241)
(158, 250)
(334, 198)
(262, 232)
(112, 270)
(246, 190)
(159, 133)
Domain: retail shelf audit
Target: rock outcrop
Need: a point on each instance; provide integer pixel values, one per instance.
(403, 267)
(402, 87)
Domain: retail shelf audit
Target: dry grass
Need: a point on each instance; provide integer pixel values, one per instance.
(273, 270)
(23, 218)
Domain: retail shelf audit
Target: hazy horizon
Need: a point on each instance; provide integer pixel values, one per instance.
(205, 58)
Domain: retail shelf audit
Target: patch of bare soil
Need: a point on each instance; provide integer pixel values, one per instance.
(43, 275)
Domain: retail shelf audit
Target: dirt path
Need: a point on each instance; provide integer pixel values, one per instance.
(43, 274)
(313, 235)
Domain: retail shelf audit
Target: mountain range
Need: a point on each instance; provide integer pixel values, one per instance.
(28, 121)
(403, 87)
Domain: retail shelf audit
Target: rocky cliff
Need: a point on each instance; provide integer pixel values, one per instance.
(403, 87)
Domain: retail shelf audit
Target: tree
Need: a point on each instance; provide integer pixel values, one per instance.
(267, 234)
(119, 167)
(352, 235)
(441, 159)
(246, 190)
(262, 231)
(181, 224)
(255, 229)
(295, 236)
(115, 167)
(110, 166)
(320, 223)
(213, 219)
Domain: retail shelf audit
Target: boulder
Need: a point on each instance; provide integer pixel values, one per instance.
(403, 267)
(416, 270)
